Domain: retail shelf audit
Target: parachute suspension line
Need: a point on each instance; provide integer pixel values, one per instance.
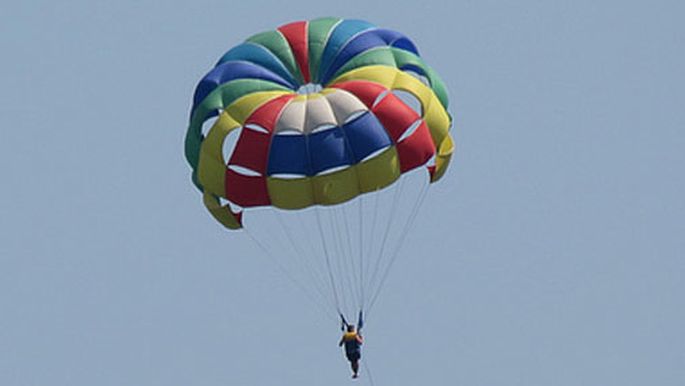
(328, 262)
(360, 219)
(352, 244)
(331, 247)
(316, 250)
(341, 259)
(338, 257)
(323, 253)
(288, 274)
(305, 273)
(351, 268)
(305, 260)
(418, 203)
(395, 253)
(348, 265)
(370, 251)
(389, 224)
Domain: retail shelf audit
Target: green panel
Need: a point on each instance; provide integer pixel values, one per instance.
(275, 42)
(439, 87)
(192, 149)
(382, 56)
(318, 32)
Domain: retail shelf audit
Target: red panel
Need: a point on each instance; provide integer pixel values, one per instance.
(267, 114)
(431, 170)
(365, 91)
(251, 150)
(296, 35)
(395, 115)
(416, 149)
(246, 191)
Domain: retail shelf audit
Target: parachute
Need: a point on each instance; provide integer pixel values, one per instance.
(319, 139)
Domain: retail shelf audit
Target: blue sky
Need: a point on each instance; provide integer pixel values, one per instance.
(551, 253)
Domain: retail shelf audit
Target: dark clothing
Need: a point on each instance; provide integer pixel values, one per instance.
(353, 356)
(352, 346)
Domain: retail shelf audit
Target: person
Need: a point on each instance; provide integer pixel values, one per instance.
(353, 342)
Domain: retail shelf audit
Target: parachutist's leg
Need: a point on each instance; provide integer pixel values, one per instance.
(355, 368)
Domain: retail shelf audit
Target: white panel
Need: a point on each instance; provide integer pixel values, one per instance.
(344, 104)
(319, 113)
(292, 117)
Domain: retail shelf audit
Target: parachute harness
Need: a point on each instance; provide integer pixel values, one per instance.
(360, 322)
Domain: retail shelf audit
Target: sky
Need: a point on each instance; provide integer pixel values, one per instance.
(551, 252)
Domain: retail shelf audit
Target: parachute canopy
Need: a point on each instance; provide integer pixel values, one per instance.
(324, 112)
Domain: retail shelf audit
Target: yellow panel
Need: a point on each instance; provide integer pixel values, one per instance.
(222, 214)
(211, 168)
(380, 74)
(337, 187)
(438, 121)
(329, 90)
(290, 193)
(307, 97)
(241, 109)
(211, 173)
(406, 82)
(379, 172)
(391, 78)
(442, 159)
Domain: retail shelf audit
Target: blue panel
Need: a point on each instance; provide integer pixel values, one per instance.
(288, 155)
(229, 71)
(365, 135)
(365, 41)
(342, 32)
(292, 154)
(258, 55)
(362, 42)
(405, 44)
(415, 68)
(328, 149)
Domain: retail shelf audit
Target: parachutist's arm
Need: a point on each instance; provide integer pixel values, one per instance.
(342, 340)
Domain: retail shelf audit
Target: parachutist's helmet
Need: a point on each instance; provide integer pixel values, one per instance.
(350, 328)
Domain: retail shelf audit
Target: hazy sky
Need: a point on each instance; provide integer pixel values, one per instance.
(550, 254)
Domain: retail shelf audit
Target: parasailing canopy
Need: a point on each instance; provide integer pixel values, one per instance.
(325, 134)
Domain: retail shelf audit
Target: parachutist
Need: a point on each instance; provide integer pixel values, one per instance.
(353, 342)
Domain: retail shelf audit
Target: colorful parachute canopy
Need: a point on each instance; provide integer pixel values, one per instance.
(321, 118)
